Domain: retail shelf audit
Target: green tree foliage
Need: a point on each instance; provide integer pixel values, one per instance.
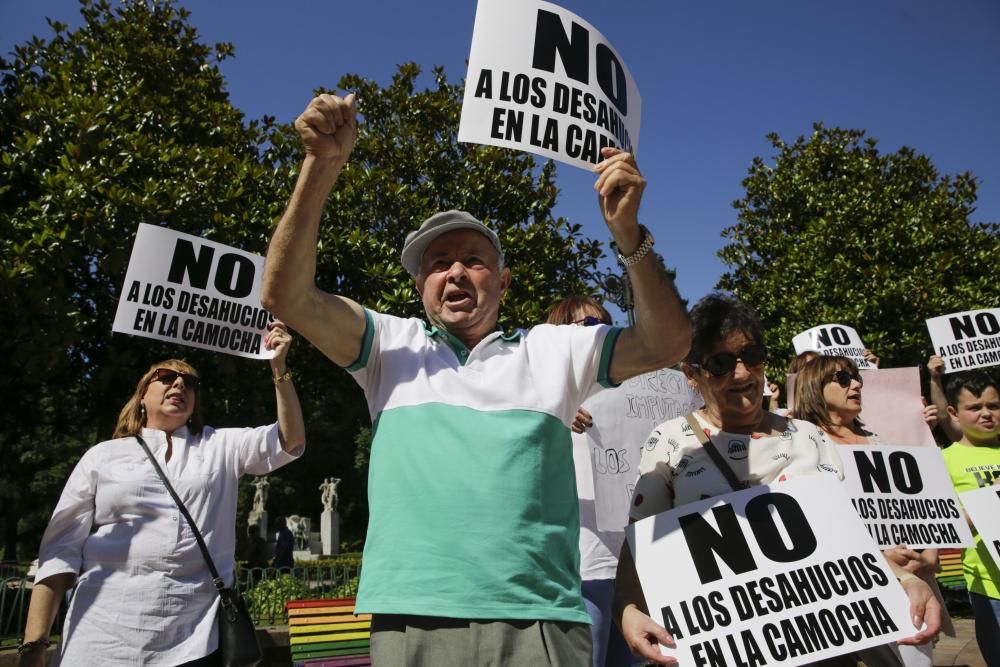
(835, 231)
(127, 120)
(123, 121)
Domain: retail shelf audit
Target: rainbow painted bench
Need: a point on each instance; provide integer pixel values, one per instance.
(327, 633)
(950, 574)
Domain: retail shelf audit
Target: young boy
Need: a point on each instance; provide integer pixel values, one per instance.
(974, 462)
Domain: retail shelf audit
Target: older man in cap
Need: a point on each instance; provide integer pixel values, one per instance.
(471, 554)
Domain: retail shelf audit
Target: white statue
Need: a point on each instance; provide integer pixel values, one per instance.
(260, 494)
(328, 495)
(299, 525)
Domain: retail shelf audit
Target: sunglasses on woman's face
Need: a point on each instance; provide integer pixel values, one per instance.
(844, 378)
(169, 376)
(587, 321)
(724, 363)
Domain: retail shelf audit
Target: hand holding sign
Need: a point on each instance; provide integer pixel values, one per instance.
(619, 186)
(328, 127)
(279, 340)
(643, 634)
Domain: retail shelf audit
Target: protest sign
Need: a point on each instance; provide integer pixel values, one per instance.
(970, 339)
(833, 340)
(543, 80)
(983, 506)
(904, 495)
(183, 289)
(780, 575)
(891, 405)
(623, 418)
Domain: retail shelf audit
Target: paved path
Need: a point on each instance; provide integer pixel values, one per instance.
(961, 649)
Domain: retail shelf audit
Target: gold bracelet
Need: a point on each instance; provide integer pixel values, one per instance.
(284, 377)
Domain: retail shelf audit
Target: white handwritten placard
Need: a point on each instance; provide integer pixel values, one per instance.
(905, 496)
(833, 340)
(965, 340)
(543, 80)
(186, 290)
(623, 418)
(780, 575)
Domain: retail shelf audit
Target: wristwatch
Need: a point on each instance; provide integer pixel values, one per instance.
(641, 251)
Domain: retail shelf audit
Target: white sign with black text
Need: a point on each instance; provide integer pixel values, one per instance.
(779, 575)
(967, 340)
(186, 290)
(543, 80)
(983, 506)
(833, 340)
(905, 496)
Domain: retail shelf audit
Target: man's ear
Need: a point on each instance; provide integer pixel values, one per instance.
(504, 281)
(418, 282)
(952, 412)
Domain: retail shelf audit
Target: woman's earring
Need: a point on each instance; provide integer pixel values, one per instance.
(142, 410)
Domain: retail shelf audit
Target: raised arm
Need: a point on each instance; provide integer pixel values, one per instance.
(935, 370)
(291, 425)
(661, 335)
(334, 324)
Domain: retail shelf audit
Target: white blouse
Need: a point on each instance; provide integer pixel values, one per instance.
(144, 595)
(675, 469)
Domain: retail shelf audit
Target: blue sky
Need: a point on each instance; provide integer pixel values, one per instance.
(715, 78)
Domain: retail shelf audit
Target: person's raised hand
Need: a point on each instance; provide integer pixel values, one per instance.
(278, 339)
(935, 366)
(619, 187)
(328, 127)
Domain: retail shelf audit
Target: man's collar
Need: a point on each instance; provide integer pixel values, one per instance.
(456, 344)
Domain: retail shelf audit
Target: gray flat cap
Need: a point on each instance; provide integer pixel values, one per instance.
(433, 227)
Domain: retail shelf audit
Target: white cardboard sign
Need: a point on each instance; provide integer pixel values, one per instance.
(983, 506)
(780, 575)
(965, 340)
(833, 340)
(184, 289)
(904, 495)
(543, 80)
(623, 417)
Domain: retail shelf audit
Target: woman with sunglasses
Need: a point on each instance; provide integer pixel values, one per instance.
(828, 394)
(143, 594)
(725, 364)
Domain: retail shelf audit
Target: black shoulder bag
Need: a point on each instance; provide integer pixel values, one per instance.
(238, 645)
(714, 454)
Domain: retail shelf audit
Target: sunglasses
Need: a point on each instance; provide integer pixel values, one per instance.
(169, 376)
(588, 321)
(724, 363)
(844, 378)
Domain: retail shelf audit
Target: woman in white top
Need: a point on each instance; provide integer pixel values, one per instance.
(143, 594)
(726, 364)
(828, 394)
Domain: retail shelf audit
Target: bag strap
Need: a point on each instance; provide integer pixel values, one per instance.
(217, 581)
(714, 454)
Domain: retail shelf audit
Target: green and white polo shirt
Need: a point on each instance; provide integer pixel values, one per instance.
(471, 487)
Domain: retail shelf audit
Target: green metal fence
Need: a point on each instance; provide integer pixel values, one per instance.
(266, 590)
